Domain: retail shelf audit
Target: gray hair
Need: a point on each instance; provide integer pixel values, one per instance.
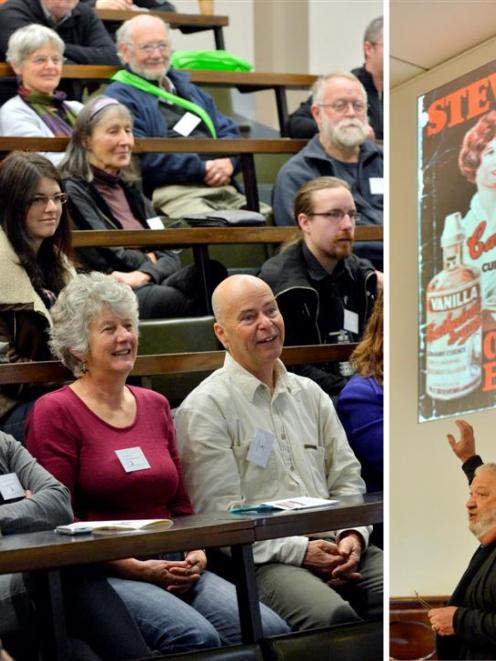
(373, 30)
(29, 38)
(76, 160)
(320, 84)
(489, 466)
(124, 35)
(75, 308)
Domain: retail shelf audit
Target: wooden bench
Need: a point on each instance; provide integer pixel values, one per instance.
(245, 148)
(186, 23)
(244, 81)
(201, 238)
(172, 374)
(410, 633)
(52, 371)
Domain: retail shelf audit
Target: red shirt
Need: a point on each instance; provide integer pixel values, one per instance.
(78, 448)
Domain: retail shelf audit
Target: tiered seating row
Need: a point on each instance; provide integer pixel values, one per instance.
(245, 82)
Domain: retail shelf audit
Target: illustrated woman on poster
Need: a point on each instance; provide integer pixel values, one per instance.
(477, 162)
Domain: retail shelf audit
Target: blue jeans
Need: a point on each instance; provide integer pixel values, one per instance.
(205, 616)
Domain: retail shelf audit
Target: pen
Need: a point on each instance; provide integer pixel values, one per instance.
(254, 508)
(423, 602)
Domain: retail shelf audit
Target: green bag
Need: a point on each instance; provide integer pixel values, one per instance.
(214, 60)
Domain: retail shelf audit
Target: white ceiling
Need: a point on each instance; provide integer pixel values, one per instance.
(423, 34)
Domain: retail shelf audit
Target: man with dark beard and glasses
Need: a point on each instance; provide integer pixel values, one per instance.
(340, 149)
(325, 293)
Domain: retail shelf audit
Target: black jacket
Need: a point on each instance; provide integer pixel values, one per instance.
(86, 40)
(353, 280)
(475, 595)
(301, 123)
(90, 211)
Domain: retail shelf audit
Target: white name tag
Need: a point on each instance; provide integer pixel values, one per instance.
(132, 459)
(351, 321)
(376, 185)
(186, 124)
(155, 223)
(10, 487)
(261, 447)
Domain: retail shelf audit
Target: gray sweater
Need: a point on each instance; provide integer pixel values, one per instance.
(50, 503)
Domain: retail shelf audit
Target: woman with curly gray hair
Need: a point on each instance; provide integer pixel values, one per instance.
(113, 445)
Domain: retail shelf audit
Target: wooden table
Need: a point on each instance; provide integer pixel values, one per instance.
(46, 553)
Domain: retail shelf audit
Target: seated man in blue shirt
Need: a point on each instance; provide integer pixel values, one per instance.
(165, 104)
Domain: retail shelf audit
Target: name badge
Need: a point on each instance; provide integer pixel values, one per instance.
(186, 124)
(350, 321)
(155, 223)
(260, 447)
(376, 185)
(10, 487)
(132, 459)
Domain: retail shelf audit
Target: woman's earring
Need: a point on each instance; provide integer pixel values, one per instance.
(83, 367)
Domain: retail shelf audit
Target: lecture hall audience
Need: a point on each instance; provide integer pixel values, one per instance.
(165, 104)
(104, 195)
(301, 123)
(251, 433)
(85, 37)
(360, 405)
(92, 435)
(93, 320)
(40, 109)
(324, 291)
(340, 149)
(34, 267)
(34, 500)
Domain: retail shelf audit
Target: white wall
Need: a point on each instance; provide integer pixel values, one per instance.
(429, 542)
(308, 36)
(239, 39)
(238, 35)
(336, 30)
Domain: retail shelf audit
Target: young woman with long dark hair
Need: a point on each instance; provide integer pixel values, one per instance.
(34, 267)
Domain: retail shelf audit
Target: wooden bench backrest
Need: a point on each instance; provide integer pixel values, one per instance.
(242, 79)
(178, 363)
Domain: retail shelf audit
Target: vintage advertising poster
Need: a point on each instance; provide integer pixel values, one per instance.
(457, 246)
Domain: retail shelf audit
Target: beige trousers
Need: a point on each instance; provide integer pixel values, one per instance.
(177, 201)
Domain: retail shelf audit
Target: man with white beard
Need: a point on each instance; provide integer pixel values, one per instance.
(340, 149)
(466, 627)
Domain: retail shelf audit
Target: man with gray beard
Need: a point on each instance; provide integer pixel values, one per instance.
(466, 627)
(340, 149)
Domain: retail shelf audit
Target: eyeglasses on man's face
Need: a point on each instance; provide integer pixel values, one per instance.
(162, 46)
(337, 215)
(41, 201)
(341, 106)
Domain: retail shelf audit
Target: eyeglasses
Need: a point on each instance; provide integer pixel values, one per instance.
(162, 46)
(341, 106)
(337, 215)
(41, 201)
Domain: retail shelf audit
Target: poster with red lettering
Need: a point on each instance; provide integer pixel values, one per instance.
(457, 246)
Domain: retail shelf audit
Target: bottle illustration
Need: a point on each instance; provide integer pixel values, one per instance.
(453, 332)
